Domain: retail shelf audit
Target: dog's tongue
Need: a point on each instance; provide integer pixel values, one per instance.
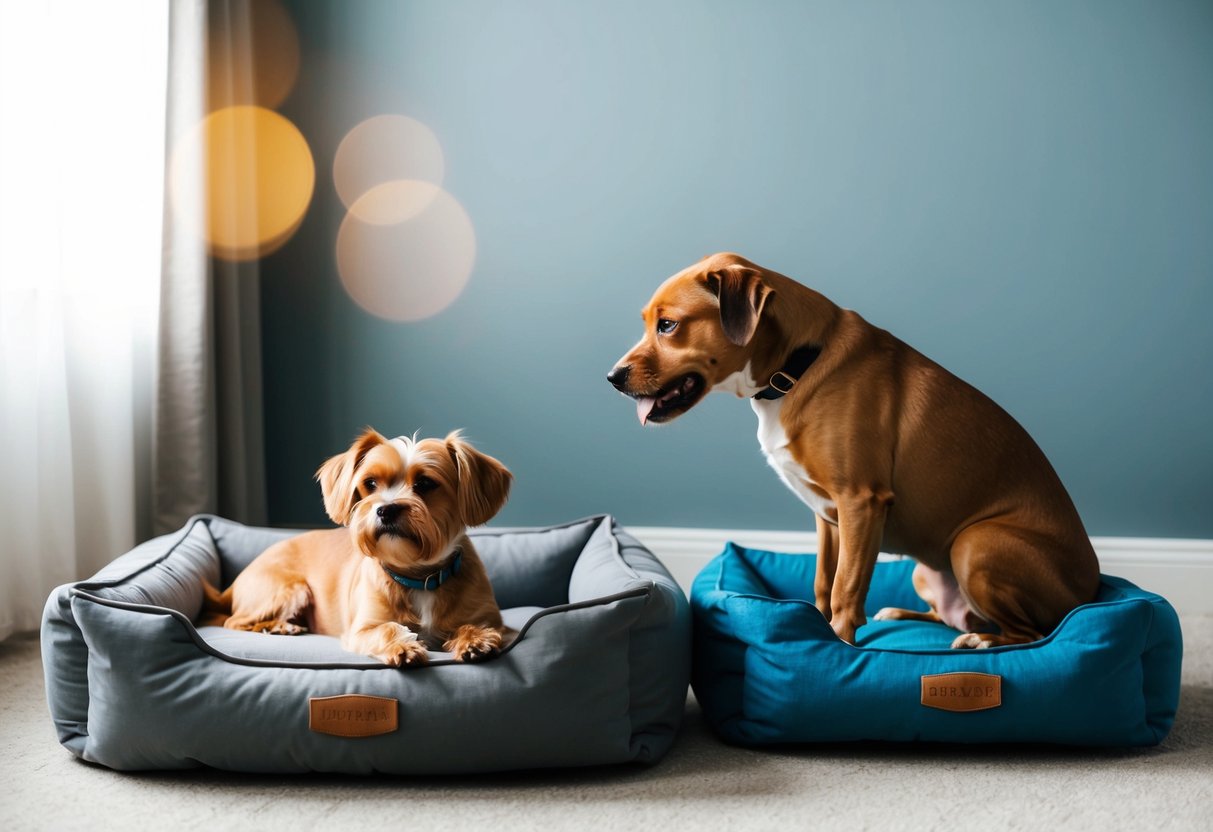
(644, 406)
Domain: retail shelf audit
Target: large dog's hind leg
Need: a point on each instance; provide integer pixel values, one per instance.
(942, 593)
(1012, 579)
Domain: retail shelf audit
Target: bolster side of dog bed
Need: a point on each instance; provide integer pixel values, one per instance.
(600, 677)
(770, 669)
(65, 655)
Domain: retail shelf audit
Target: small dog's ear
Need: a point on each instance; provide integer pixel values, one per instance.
(336, 477)
(742, 295)
(484, 483)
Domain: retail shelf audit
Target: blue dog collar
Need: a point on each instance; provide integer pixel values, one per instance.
(433, 580)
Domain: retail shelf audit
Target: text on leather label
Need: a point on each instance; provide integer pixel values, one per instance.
(352, 715)
(962, 692)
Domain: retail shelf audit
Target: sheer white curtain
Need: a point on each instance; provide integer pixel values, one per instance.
(82, 136)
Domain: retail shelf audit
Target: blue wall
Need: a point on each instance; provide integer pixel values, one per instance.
(1022, 191)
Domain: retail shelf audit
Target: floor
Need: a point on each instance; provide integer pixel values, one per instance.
(702, 783)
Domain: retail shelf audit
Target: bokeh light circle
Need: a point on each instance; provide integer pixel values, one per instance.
(385, 148)
(258, 176)
(252, 54)
(410, 269)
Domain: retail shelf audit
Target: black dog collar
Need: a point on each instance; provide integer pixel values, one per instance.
(785, 377)
(433, 580)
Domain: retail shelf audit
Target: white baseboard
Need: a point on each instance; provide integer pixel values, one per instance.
(1179, 570)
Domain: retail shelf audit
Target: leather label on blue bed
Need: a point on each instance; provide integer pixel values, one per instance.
(962, 692)
(352, 715)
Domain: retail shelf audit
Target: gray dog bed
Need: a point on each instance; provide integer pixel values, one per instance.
(598, 673)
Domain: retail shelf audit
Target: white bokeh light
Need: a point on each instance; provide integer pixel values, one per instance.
(385, 148)
(414, 258)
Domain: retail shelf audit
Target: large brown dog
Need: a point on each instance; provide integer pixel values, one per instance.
(891, 451)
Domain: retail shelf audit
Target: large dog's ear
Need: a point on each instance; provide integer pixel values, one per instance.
(742, 295)
(484, 483)
(336, 477)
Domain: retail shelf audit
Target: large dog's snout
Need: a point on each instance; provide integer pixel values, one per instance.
(619, 376)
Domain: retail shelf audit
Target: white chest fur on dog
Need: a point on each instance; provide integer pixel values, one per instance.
(741, 383)
(422, 603)
(774, 443)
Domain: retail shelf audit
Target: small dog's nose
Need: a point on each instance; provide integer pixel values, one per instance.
(388, 512)
(619, 376)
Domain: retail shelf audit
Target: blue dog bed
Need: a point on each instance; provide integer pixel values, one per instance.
(598, 673)
(769, 669)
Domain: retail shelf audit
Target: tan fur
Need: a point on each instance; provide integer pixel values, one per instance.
(911, 459)
(333, 582)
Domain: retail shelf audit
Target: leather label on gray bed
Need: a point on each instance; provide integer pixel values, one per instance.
(962, 691)
(352, 715)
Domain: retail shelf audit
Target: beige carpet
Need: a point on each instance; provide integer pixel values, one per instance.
(702, 784)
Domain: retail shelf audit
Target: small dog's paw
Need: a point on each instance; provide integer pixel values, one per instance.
(285, 628)
(403, 653)
(395, 645)
(274, 627)
(887, 614)
(414, 653)
(971, 641)
(472, 644)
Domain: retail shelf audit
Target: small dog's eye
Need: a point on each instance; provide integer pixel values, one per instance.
(665, 326)
(423, 485)
(369, 485)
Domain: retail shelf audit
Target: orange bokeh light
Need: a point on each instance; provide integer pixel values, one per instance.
(257, 179)
(252, 54)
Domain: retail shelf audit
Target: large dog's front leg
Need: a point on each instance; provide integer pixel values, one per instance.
(860, 529)
(827, 565)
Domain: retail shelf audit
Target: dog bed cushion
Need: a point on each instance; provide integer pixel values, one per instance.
(598, 673)
(769, 669)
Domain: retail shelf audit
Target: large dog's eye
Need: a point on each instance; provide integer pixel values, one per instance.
(369, 485)
(424, 485)
(665, 326)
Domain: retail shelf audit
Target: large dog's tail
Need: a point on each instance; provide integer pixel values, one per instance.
(216, 606)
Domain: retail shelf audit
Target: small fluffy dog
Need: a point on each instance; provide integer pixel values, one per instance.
(402, 574)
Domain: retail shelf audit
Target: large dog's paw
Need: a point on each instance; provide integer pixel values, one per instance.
(471, 643)
(981, 641)
(898, 614)
(845, 624)
(823, 607)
